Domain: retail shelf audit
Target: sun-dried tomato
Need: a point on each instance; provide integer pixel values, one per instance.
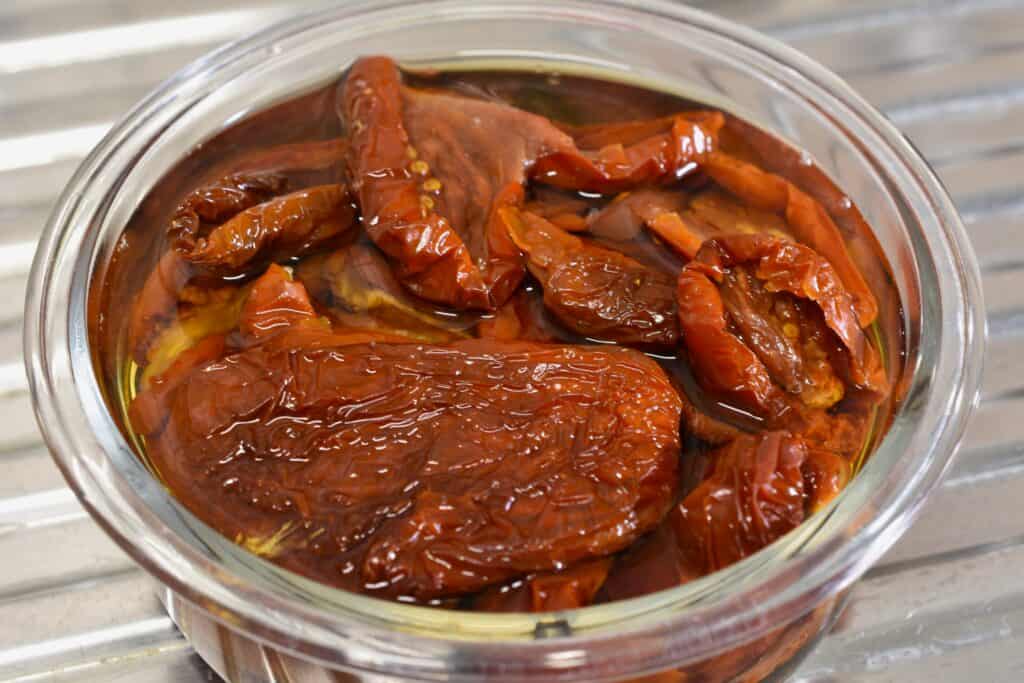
(759, 488)
(782, 266)
(596, 292)
(431, 169)
(765, 320)
(723, 365)
(610, 158)
(275, 303)
(283, 227)
(754, 494)
(418, 470)
(215, 203)
(225, 228)
(567, 589)
(808, 220)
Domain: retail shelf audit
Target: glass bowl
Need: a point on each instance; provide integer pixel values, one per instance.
(253, 621)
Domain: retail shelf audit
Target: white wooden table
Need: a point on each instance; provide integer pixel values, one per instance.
(947, 604)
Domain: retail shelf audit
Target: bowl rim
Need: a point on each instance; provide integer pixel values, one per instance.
(787, 592)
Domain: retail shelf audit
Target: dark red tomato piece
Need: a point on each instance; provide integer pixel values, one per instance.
(610, 158)
(213, 204)
(782, 266)
(275, 303)
(431, 169)
(599, 293)
(283, 227)
(808, 221)
(755, 493)
(769, 328)
(568, 589)
(723, 365)
(420, 471)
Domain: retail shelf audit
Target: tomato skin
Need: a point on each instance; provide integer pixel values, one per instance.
(286, 226)
(219, 201)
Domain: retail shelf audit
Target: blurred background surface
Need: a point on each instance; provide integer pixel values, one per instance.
(947, 604)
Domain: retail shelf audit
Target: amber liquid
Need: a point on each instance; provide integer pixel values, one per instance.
(566, 99)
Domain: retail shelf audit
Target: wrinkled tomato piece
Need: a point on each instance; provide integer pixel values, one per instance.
(224, 229)
(808, 221)
(723, 365)
(599, 293)
(210, 205)
(567, 589)
(759, 487)
(610, 158)
(754, 494)
(420, 471)
(275, 303)
(431, 169)
(784, 266)
(764, 319)
(283, 227)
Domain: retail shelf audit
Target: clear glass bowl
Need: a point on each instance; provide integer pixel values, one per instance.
(254, 621)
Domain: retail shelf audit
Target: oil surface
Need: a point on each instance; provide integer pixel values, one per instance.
(316, 523)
